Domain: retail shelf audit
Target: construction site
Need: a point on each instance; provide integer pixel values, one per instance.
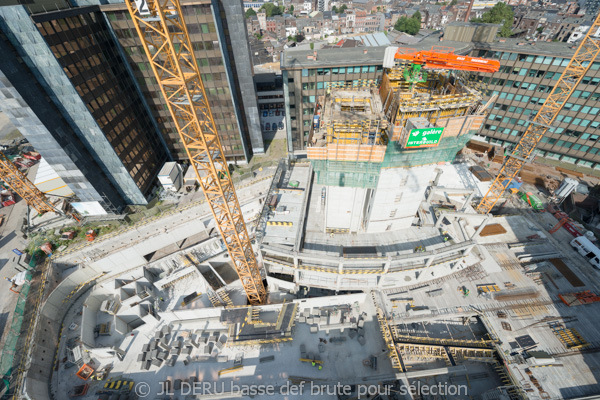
(389, 264)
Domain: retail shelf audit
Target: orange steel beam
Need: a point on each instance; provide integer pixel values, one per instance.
(576, 69)
(444, 58)
(22, 186)
(162, 30)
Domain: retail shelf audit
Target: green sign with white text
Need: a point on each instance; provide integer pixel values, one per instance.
(428, 137)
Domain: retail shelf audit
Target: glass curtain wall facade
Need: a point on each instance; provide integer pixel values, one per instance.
(523, 83)
(232, 127)
(90, 58)
(303, 86)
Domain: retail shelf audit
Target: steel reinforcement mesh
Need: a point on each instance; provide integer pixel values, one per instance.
(366, 174)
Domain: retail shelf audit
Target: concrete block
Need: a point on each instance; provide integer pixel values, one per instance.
(187, 350)
(301, 319)
(361, 323)
(314, 329)
(157, 362)
(222, 358)
(172, 361)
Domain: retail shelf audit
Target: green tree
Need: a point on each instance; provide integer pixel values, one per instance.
(342, 9)
(250, 13)
(291, 9)
(453, 3)
(499, 14)
(271, 9)
(410, 25)
(312, 46)
(334, 9)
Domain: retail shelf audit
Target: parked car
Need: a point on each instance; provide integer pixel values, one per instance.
(267, 126)
(265, 113)
(280, 125)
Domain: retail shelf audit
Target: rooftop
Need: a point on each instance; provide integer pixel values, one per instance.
(293, 59)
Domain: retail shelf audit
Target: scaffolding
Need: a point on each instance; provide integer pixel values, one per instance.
(355, 133)
(348, 126)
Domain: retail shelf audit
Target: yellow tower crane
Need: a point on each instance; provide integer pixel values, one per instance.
(576, 69)
(19, 183)
(165, 39)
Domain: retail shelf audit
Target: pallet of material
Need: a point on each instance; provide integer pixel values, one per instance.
(531, 177)
(569, 275)
(479, 146)
(569, 172)
(497, 154)
(492, 229)
(481, 173)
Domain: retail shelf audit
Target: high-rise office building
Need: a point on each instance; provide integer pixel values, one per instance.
(219, 36)
(78, 86)
(67, 88)
(527, 74)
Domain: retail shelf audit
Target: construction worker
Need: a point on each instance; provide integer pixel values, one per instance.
(320, 367)
(313, 364)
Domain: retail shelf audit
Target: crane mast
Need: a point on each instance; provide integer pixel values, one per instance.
(19, 183)
(166, 42)
(580, 63)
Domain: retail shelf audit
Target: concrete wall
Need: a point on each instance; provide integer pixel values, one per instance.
(345, 206)
(398, 196)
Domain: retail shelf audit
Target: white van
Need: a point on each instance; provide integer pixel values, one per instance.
(587, 249)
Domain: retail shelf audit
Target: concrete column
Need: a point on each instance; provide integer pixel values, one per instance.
(438, 176)
(296, 276)
(429, 261)
(468, 250)
(467, 201)
(483, 224)
(439, 220)
(388, 263)
(296, 260)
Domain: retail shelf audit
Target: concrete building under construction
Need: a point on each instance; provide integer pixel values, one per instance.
(363, 132)
(380, 195)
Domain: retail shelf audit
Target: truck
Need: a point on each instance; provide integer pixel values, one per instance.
(532, 200)
(587, 249)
